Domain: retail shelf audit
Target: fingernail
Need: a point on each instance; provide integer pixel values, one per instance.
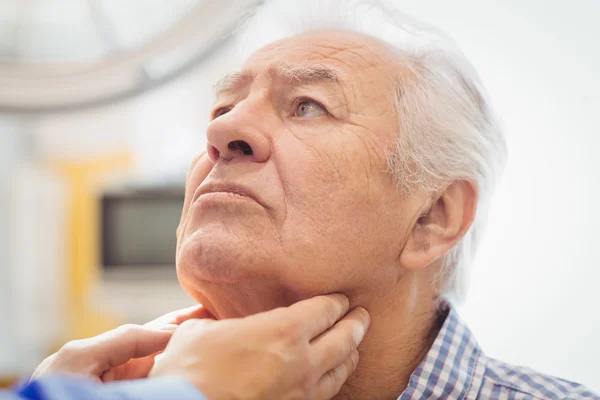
(168, 327)
(367, 319)
(359, 333)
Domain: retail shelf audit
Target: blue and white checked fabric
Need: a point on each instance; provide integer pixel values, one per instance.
(456, 368)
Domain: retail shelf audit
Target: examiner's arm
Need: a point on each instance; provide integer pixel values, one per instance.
(82, 388)
(307, 350)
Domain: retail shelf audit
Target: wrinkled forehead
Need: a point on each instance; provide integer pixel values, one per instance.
(359, 60)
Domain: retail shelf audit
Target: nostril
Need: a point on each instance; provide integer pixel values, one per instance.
(241, 146)
(247, 150)
(213, 153)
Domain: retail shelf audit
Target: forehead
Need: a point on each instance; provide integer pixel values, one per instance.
(360, 59)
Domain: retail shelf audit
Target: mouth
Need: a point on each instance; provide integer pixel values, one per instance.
(225, 189)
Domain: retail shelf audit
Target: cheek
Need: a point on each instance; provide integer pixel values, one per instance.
(324, 160)
(335, 208)
(322, 180)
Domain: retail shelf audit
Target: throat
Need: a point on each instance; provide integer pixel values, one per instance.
(393, 348)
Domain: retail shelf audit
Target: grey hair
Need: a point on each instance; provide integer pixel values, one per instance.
(447, 129)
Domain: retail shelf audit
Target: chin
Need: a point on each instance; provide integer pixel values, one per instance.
(229, 283)
(235, 271)
(215, 257)
(231, 252)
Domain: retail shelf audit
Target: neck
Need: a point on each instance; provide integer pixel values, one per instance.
(403, 328)
(404, 324)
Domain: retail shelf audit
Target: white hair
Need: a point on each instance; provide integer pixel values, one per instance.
(447, 130)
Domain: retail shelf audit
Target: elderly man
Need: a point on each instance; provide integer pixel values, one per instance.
(357, 153)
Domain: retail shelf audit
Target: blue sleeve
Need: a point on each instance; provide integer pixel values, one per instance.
(77, 388)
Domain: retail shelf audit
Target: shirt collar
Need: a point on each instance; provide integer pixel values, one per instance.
(453, 367)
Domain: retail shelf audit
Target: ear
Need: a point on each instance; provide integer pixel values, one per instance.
(441, 226)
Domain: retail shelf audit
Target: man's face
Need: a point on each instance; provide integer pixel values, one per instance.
(302, 134)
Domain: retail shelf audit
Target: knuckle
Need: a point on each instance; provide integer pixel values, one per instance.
(285, 328)
(329, 381)
(290, 333)
(314, 371)
(334, 380)
(313, 363)
(309, 367)
(279, 314)
(351, 341)
(189, 324)
(334, 375)
(351, 364)
(71, 348)
(308, 383)
(343, 300)
(186, 324)
(331, 311)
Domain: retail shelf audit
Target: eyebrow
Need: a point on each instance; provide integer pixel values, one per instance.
(298, 76)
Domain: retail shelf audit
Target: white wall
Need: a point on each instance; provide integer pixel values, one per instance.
(535, 288)
(10, 152)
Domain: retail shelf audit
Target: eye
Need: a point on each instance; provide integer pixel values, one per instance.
(309, 109)
(220, 111)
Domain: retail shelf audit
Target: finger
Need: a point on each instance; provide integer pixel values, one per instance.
(318, 314)
(40, 370)
(195, 312)
(330, 384)
(336, 345)
(195, 325)
(118, 346)
(133, 369)
(178, 316)
(140, 367)
(189, 329)
(110, 375)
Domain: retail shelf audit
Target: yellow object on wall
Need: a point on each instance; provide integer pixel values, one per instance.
(83, 178)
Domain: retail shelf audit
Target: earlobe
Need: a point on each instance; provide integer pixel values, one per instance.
(441, 226)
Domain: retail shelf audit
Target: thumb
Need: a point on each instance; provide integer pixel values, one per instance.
(120, 345)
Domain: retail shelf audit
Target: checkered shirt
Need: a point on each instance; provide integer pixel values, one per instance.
(456, 368)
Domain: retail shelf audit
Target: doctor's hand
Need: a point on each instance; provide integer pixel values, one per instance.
(124, 353)
(298, 352)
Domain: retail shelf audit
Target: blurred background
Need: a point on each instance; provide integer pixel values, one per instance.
(103, 104)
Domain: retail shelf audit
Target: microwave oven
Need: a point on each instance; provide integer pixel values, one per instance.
(138, 232)
(137, 242)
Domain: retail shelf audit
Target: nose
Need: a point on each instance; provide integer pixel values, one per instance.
(240, 133)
